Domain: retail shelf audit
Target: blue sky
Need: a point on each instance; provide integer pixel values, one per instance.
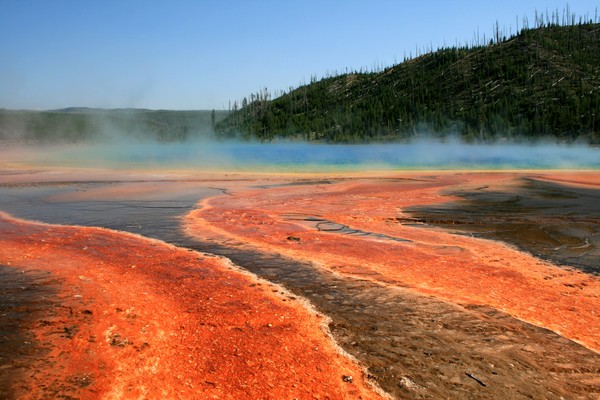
(202, 54)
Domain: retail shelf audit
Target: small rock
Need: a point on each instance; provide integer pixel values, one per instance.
(407, 383)
(347, 378)
(293, 238)
(117, 340)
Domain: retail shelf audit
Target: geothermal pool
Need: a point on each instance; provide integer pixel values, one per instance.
(444, 283)
(309, 158)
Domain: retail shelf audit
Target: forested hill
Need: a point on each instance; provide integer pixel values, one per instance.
(78, 124)
(540, 82)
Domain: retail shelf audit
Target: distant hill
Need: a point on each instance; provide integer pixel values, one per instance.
(75, 124)
(540, 82)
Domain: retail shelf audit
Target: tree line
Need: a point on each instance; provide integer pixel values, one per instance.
(88, 124)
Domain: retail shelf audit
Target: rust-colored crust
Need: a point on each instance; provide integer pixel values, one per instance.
(456, 268)
(138, 318)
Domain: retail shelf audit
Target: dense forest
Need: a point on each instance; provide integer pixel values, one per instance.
(541, 82)
(90, 124)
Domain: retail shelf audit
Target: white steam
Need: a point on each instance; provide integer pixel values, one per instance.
(209, 155)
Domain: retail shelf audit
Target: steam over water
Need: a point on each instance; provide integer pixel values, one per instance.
(302, 157)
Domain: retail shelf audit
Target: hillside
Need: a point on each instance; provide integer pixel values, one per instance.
(89, 124)
(541, 82)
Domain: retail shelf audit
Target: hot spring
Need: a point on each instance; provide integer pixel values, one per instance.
(302, 157)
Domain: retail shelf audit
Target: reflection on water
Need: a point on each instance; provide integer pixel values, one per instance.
(152, 218)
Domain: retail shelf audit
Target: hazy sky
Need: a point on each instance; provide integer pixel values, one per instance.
(201, 54)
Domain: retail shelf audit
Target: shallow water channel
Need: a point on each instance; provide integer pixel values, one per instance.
(555, 222)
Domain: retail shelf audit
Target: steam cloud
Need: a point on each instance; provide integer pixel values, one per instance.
(161, 140)
(205, 155)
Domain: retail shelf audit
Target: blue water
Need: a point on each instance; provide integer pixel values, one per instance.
(302, 157)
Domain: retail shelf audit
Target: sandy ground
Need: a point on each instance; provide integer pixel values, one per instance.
(430, 313)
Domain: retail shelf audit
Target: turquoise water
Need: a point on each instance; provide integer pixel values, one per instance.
(302, 157)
